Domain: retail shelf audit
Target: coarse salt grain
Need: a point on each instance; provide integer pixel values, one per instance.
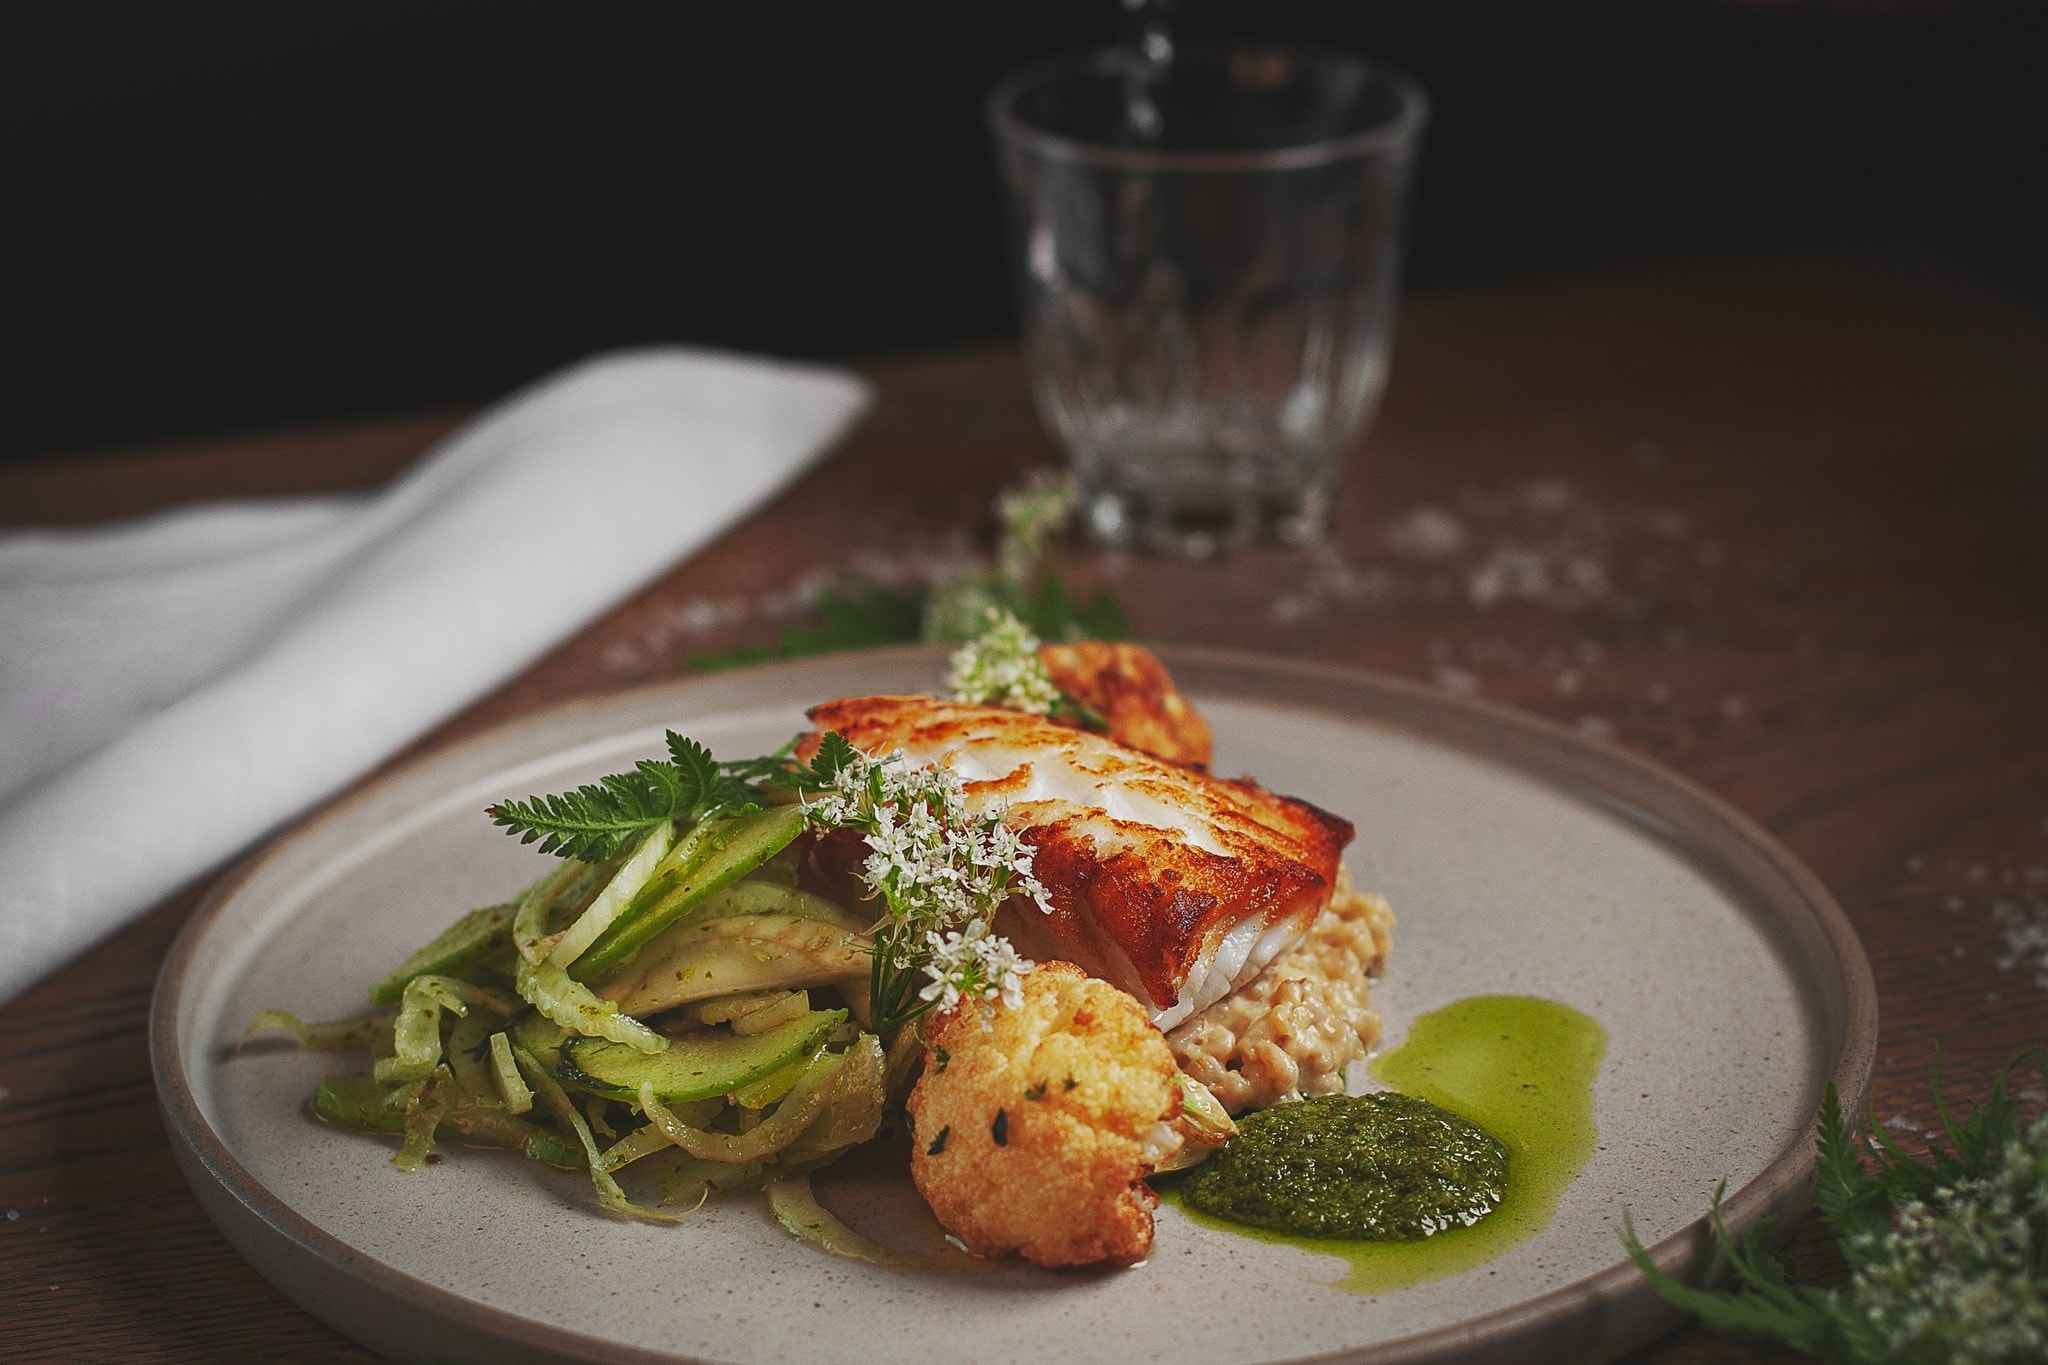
(1456, 680)
(2024, 934)
(1426, 533)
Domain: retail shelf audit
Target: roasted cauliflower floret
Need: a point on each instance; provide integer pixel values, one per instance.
(1033, 1128)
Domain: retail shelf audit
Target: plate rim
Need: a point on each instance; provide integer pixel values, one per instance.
(1441, 717)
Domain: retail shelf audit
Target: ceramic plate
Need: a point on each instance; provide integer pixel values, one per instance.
(1521, 858)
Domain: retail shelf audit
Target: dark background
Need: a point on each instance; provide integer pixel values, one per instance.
(236, 213)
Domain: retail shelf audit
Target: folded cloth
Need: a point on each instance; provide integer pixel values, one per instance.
(174, 687)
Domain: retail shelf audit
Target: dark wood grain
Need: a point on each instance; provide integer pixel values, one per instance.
(1778, 525)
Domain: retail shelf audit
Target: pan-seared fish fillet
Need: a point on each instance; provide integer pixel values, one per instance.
(1127, 686)
(1169, 883)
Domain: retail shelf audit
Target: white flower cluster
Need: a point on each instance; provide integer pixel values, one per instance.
(974, 962)
(940, 872)
(1957, 1277)
(1001, 667)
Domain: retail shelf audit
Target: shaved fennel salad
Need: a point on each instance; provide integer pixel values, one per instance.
(667, 1004)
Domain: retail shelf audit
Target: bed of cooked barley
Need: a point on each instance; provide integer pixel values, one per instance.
(1289, 1033)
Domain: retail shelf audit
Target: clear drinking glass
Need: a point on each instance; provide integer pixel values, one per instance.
(1208, 277)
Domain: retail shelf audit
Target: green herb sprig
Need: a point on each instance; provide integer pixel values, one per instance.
(1947, 1256)
(595, 821)
(856, 615)
(859, 614)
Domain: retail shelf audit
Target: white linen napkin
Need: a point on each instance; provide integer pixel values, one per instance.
(171, 688)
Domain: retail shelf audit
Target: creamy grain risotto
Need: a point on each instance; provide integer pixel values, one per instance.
(1289, 1033)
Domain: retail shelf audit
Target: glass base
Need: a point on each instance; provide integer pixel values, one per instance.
(1195, 525)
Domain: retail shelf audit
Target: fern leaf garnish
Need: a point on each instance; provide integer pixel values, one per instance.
(598, 819)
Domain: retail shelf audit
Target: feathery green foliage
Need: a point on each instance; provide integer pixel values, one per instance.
(859, 614)
(598, 819)
(1948, 1256)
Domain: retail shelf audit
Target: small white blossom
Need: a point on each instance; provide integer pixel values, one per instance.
(974, 963)
(939, 871)
(1001, 667)
(1956, 1276)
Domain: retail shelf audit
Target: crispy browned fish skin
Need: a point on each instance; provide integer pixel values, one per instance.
(1033, 1128)
(1127, 686)
(1138, 904)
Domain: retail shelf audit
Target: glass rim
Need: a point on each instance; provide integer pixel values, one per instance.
(1395, 132)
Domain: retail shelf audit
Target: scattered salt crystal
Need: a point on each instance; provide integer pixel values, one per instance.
(1546, 575)
(2026, 940)
(14, 1215)
(1426, 533)
(1456, 680)
(1537, 543)
(1292, 607)
(1331, 580)
(1596, 727)
(1567, 682)
(1734, 708)
(1508, 572)
(1899, 1123)
(694, 618)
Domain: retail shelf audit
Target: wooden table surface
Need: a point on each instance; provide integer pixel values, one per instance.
(1783, 526)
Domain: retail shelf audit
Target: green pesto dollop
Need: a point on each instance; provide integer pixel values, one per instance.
(1379, 1168)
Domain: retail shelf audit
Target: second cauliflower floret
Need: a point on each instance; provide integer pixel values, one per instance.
(1035, 1127)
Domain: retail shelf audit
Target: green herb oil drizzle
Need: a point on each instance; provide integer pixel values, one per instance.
(1520, 1067)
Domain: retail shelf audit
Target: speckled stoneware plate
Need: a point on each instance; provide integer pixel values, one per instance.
(1521, 858)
